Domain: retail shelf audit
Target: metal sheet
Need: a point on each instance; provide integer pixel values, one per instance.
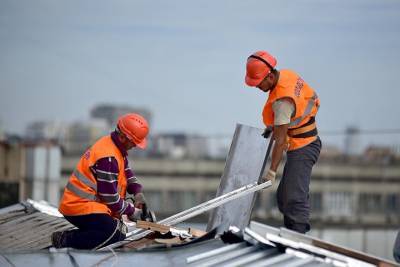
(243, 261)
(243, 166)
(229, 256)
(215, 252)
(272, 261)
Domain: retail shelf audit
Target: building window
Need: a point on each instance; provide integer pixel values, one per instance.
(338, 204)
(370, 203)
(208, 195)
(181, 200)
(9, 194)
(316, 201)
(155, 200)
(393, 203)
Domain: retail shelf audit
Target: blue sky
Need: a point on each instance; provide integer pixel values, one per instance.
(185, 60)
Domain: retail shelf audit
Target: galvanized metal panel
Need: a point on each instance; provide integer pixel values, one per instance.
(278, 259)
(215, 252)
(243, 166)
(262, 229)
(247, 259)
(225, 257)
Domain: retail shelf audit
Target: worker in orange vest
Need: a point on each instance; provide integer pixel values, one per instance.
(289, 113)
(94, 197)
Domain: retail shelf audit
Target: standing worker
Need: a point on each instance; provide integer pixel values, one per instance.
(290, 114)
(94, 198)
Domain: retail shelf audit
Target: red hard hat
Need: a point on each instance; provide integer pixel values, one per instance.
(258, 66)
(135, 127)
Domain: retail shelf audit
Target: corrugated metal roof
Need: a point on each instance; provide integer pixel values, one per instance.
(22, 227)
(241, 254)
(25, 235)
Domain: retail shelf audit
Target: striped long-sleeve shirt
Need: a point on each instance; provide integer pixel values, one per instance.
(106, 171)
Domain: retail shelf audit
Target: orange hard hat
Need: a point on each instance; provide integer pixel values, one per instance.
(135, 127)
(258, 66)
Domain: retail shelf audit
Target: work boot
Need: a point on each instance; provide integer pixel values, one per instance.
(58, 239)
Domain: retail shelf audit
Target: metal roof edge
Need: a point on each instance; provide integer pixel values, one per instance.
(268, 231)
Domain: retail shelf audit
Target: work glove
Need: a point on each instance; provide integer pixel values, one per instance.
(136, 215)
(270, 176)
(267, 132)
(139, 200)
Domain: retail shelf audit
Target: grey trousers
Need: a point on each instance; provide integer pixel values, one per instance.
(396, 248)
(293, 190)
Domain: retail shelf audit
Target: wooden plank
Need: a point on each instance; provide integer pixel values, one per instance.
(196, 232)
(170, 241)
(157, 227)
(153, 226)
(352, 253)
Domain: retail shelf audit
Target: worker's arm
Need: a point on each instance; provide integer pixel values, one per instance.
(283, 111)
(134, 187)
(106, 172)
(280, 134)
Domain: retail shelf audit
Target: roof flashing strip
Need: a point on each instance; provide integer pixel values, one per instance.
(45, 207)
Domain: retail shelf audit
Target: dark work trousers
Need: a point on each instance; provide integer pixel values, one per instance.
(396, 248)
(94, 231)
(293, 189)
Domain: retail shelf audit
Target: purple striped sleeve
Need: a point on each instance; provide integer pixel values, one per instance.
(106, 172)
(134, 186)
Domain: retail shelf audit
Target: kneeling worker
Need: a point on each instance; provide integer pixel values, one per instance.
(94, 198)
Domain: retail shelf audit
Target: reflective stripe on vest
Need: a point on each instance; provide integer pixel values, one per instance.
(307, 111)
(80, 193)
(82, 178)
(110, 198)
(302, 130)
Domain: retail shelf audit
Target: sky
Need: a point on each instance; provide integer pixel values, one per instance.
(185, 61)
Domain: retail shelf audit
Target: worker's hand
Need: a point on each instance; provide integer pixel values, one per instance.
(270, 176)
(137, 214)
(267, 132)
(139, 200)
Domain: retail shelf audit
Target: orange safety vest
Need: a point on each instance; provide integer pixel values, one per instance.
(302, 128)
(80, 194)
